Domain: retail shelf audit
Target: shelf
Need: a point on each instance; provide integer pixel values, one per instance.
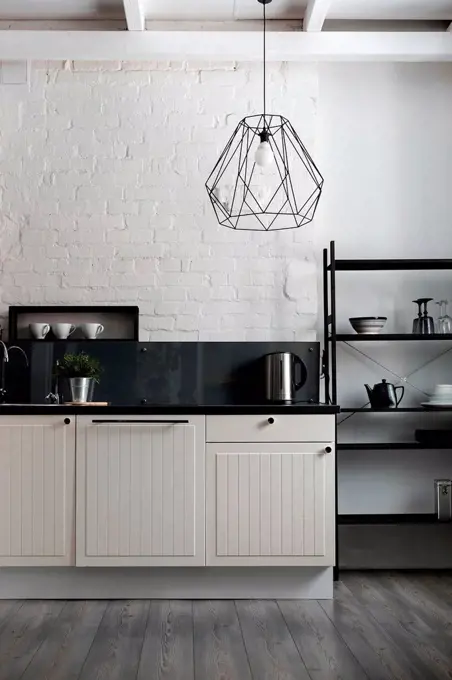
(410, 518)
(418, 409)
(390, 337)
(72, 340)
(389, 265)
(387, 446)
(121, 322)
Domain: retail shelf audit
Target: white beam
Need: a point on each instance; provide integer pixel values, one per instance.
(179, 44)
(134, 15)
(315, 15)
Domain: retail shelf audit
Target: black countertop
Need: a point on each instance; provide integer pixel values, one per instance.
(169, 409)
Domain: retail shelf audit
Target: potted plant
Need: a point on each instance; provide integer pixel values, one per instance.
(82, 372)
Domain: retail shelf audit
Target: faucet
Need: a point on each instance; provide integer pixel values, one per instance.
(5, 359)
(55, 397)
(27, 363)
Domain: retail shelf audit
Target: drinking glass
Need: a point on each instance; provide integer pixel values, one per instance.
(426, 323)
(445, 327)
(440, 315)
(417, 322)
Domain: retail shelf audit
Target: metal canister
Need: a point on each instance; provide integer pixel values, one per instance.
(443, 499)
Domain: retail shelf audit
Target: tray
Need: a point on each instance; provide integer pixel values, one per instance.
(86, 403)
(437, 407)
(434, 437)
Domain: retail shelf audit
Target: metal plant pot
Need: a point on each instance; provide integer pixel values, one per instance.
(81, 389)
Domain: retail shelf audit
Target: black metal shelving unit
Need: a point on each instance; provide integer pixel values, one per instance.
(388, 446)
(390, 337)
(414, 409)
(412, 518)
(331, 266)
(385, 265)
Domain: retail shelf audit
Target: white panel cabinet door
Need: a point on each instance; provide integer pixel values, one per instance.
(37, 491)
(140, 491)
(270, 504)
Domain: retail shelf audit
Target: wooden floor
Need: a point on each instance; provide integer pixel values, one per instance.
(379, 626)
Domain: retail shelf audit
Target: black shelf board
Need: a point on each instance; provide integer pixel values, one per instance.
(388, 446)
(389, 265)
(410, 518)
(71, 339)
(390, 337)
(417, 409)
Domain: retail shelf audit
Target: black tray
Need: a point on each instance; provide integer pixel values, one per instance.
(434, 437)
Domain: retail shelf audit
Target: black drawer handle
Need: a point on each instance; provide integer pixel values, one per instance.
(328, 449)
(271, 421)
(67, 421)
(141, 422)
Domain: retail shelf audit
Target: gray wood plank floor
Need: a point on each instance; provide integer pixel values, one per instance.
(380, 626)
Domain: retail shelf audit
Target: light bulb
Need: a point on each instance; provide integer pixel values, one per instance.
(264, 154)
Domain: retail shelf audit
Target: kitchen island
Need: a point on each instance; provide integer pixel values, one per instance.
(167, 501)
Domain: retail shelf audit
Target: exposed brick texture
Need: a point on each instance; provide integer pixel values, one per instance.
(102, 171)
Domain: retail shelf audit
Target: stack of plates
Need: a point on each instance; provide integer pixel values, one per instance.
(441, 397)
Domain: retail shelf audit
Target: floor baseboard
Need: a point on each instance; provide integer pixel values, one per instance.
(169, 583)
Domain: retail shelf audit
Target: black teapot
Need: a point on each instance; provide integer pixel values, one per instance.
(384, 395)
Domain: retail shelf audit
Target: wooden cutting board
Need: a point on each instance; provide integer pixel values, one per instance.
(86, 403)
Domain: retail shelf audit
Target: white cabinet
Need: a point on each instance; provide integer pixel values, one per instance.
(148, 491)
(37, 484)
(270, 503)
(140, 491)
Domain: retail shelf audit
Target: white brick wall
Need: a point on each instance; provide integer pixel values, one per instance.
(102, 171)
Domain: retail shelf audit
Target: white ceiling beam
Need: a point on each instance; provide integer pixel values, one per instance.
(315, 15)
(134, 15)
(179, 44)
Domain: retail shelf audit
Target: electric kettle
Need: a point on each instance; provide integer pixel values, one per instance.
(280, 381)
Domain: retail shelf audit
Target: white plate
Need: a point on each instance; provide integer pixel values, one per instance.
(437, 404)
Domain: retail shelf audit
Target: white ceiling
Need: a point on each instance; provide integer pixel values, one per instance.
(184, 10)
(222, 10)
(391, 9)
(218, 10)
(61, 9)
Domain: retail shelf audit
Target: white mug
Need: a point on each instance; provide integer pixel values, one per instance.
(39, 330)
(91, 330)
(62, 330)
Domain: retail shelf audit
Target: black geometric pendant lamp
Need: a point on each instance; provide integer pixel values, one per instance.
(265, 178)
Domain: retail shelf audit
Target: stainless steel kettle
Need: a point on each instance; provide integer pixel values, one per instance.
(280, 381)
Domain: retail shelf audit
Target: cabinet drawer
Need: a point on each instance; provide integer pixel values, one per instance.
(269, 428)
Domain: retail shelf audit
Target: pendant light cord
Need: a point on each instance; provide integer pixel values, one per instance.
(265, 53)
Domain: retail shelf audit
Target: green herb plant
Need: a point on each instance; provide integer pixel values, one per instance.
(79, 366)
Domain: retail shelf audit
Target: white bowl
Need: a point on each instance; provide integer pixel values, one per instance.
(368, 325)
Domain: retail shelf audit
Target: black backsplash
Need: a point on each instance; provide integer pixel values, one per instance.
(164, 372)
